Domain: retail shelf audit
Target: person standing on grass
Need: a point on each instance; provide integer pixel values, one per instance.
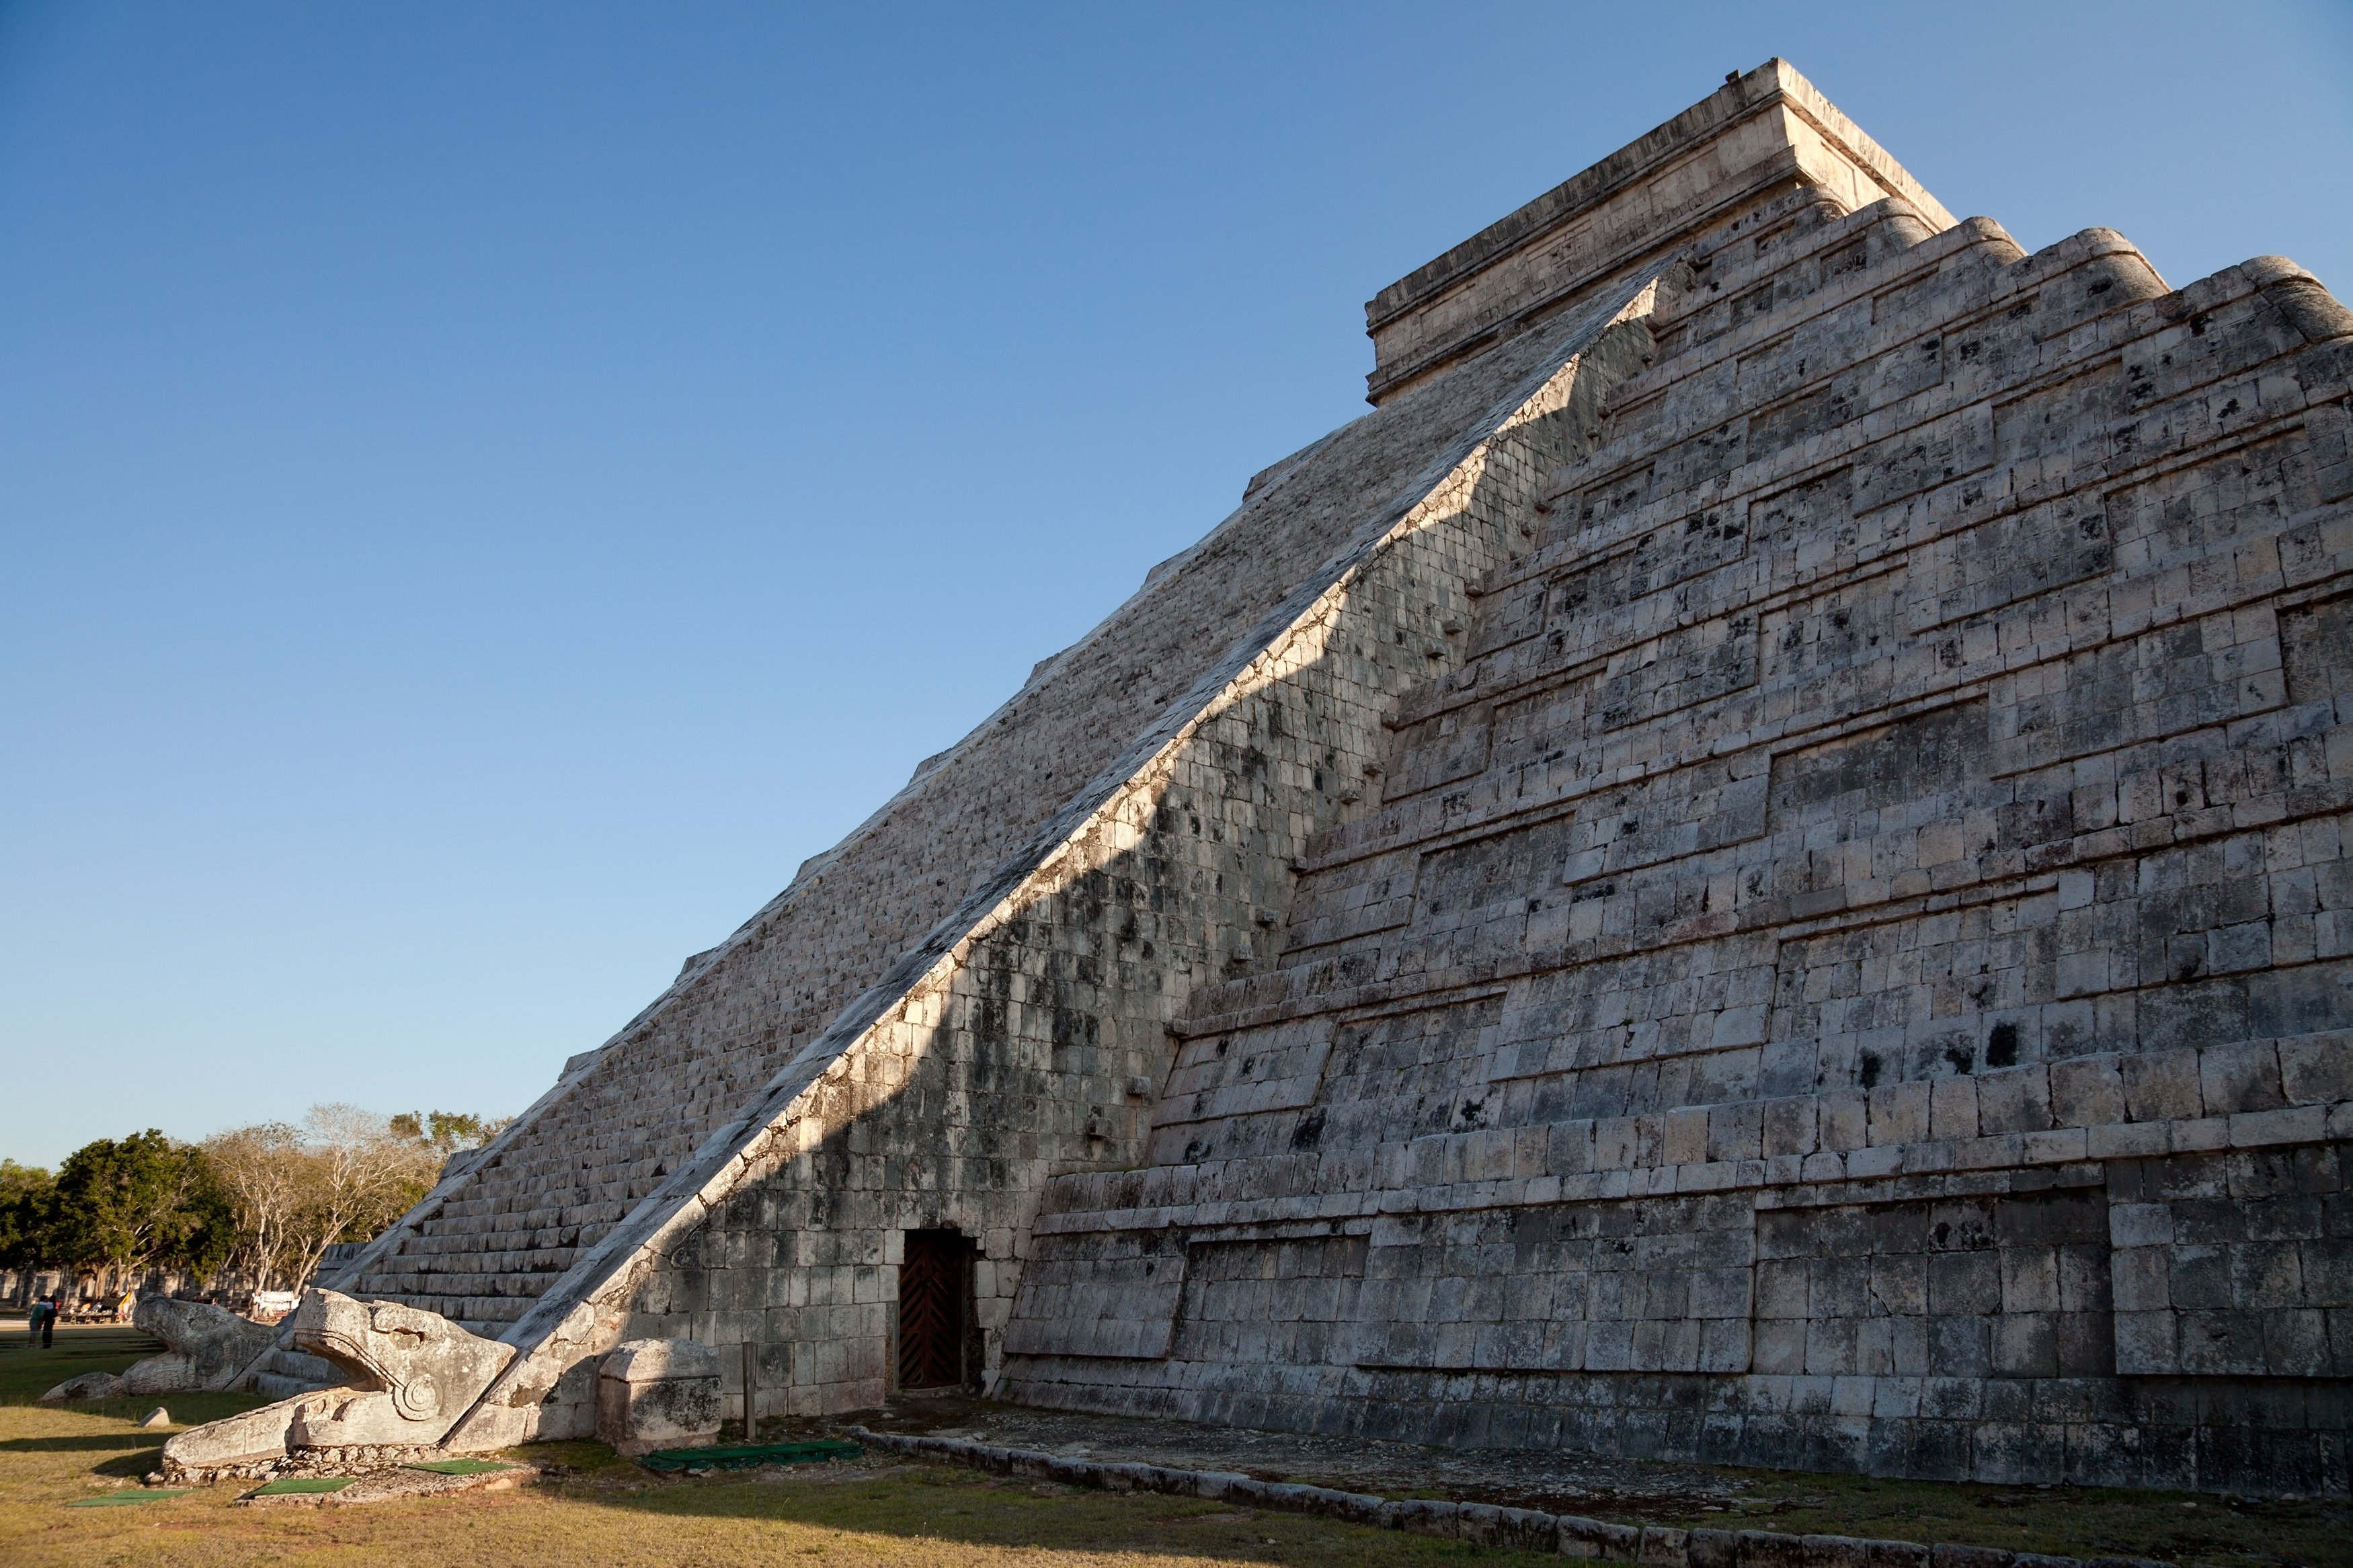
(36, 1313)
(50, 1321)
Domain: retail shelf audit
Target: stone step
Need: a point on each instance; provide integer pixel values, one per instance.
(301, 1364)
(274, 1386)
(283, 1373)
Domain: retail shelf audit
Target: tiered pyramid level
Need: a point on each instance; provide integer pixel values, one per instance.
(1751, 868)
(1851, 972)
(632, 1115)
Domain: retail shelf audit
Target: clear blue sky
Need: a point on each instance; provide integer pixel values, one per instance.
(486, 489)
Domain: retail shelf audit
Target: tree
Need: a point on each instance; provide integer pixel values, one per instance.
(367, 1176)
(269, 1199)
(267, 1174)
(127, 1206)
(448, 1131)
(28, 1201)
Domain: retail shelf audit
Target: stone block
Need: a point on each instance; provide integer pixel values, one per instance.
(659, 1394)
(2161, 1085)
(1663, 1546)
(1947, 1555)
(1711, 1549)
(2087, 1092)
(2240, 1079)
(1899, 1113)
(2316, 1071)
(1577, 1537)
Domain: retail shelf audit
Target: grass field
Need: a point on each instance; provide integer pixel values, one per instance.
(609, 1513)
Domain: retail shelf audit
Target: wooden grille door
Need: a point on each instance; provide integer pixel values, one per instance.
(930, 1309)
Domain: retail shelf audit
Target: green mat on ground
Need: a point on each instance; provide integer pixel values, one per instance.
(293, 1485)
(752, 1455)
(457, 1466)
(130, 1495)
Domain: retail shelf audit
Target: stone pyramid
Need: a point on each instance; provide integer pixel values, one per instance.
(1748, 868)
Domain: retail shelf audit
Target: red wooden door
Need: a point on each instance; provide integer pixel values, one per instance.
(930, 1309)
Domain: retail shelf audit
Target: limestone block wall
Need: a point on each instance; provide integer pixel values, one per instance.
(1854, 970)
(626, 1119)
(1027, 1033)
(1026, 1055)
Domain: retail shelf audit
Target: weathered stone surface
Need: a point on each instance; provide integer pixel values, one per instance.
(416, 1371)
(1845, 975)
(249, 1441)
(1760, 134)
(210, 1346)
(89, 1385)
(1750, 869)
(659, 1393)
(411, 1375)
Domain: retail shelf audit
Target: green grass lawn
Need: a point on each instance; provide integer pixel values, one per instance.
(610, 1513)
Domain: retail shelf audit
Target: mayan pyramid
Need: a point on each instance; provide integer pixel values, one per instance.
(1748, 868)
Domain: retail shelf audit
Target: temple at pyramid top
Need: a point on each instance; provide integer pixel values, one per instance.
(1758, 136)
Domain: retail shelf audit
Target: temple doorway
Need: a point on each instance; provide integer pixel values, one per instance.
(934, 1308)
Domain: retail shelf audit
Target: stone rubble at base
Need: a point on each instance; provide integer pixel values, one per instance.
(1748, 868)
(395, 1482)
(360, 1459)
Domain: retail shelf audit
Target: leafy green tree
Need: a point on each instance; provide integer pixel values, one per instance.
(128, 1205)
(447, 1131)
(343, 1175)
(209, 1230)
(269, 1198)
(27, 1197)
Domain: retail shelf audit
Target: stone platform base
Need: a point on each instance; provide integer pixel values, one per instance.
(343, 1461)
(390, 1485)
(1483, 1524)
